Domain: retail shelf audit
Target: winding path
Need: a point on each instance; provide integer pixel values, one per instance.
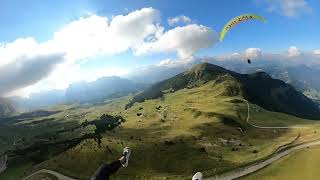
(257, 166)
(237, 173)
(268, 127)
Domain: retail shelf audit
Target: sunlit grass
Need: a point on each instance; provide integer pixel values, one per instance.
(303, 164)
(191, 118)
(197, 122)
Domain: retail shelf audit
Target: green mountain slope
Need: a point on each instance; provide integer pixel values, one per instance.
(196, 129)
(193, 129)
(258, 88)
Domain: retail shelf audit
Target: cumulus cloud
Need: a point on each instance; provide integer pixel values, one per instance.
(289, 8)
(27, 70)
(10, 51)
(294, 51)
(166, 62)
(253, 53)
(25, 61)
(179, 20)
(185, 40)
(292, 56)
(177, 62)
(85, 38)
(317, 52)
(94, 35)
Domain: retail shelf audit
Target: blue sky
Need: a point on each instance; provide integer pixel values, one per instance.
(290, 23)
(40, 19)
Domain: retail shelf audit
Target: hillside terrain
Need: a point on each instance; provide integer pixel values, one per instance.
(194, 123)
(302, 77)
(259, 88)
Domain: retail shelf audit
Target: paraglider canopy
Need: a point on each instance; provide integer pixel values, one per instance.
(238, 20)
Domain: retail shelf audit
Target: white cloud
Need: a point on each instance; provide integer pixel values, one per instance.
(294, 51)
(84, 38)
(234, 61)
(317, 52)
(250, 53)
(80, 40)
(175, 63)
(27, 70)
(289, 8)
(293, 56)
(94, 35)
(20, 47)
(185, 40)
(179, 20)
(253, 53)
(25, 62)
(166, 62)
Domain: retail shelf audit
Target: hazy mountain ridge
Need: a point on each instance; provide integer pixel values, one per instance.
(101, 89)
(258, 88)
(302, 77)
(96, 91)
(6, 108)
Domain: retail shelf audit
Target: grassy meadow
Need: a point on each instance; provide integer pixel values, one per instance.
(299, 165)
(198, 129)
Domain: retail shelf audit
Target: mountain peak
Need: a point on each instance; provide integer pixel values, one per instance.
(200, 67)
(258, 88)
(207, 67)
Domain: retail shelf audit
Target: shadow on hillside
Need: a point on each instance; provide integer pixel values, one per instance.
(184, 155)
(153, 154)
(169, 157)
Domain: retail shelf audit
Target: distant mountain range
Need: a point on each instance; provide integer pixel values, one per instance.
(258, 88)
(96, 91)
(302, 77)
(6, 108)
(39, 100)
(101, 89)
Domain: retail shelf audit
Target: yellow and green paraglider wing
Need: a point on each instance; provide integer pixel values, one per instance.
(238, 20)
